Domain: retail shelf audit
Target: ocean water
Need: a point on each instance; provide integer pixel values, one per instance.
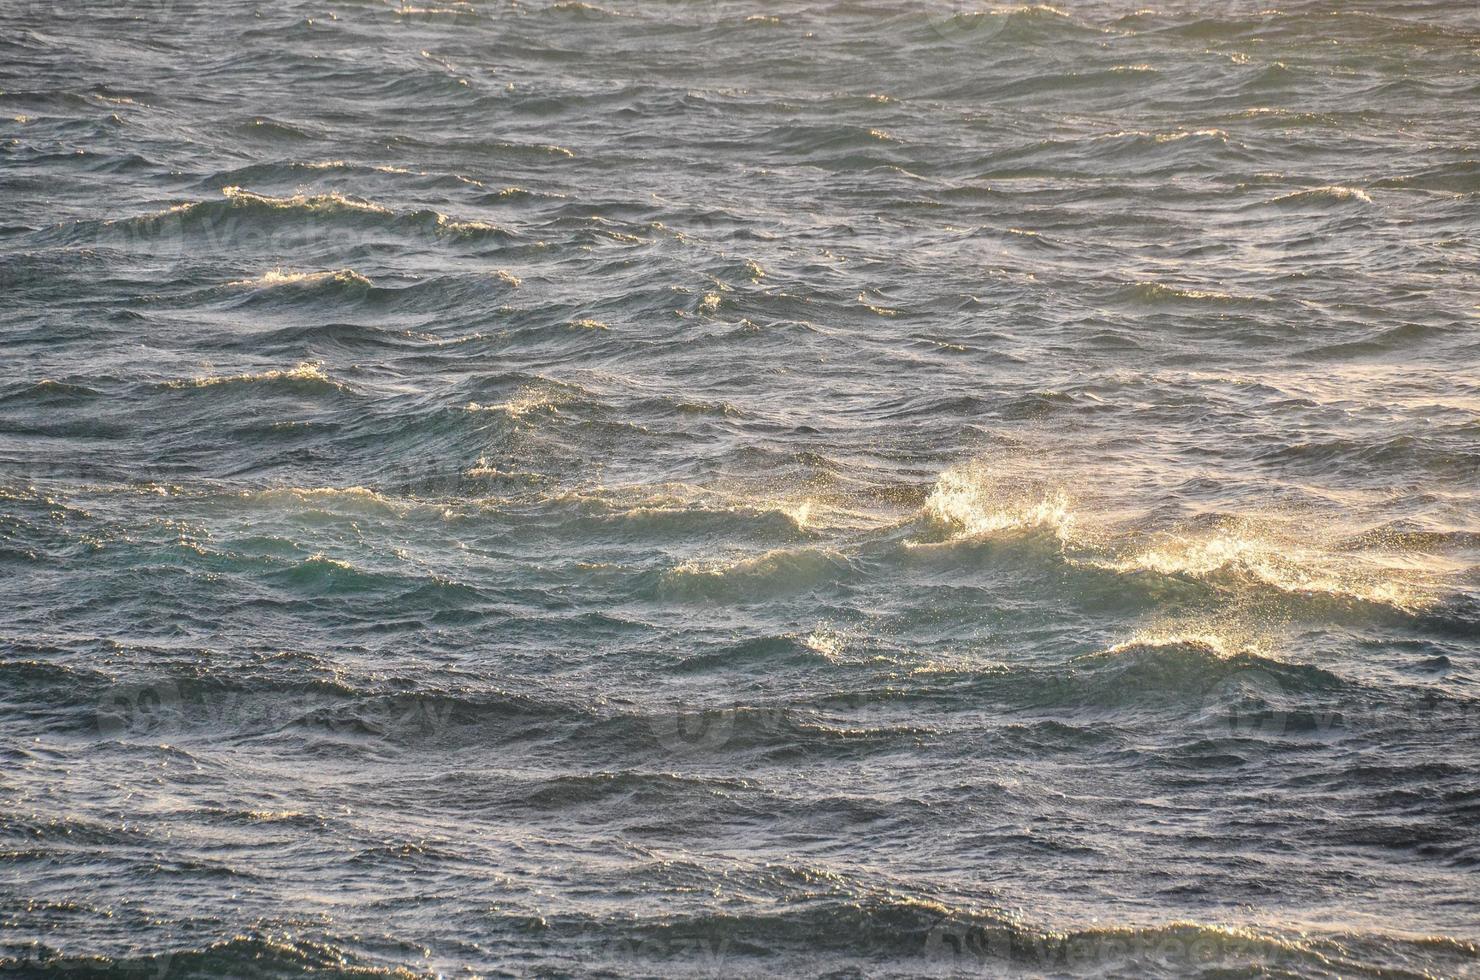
(739, 488)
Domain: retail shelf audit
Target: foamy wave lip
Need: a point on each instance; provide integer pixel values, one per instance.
(462, 227)
(314, 202)
(1283, 563)
(1210, 639)
(1175, 136)
(283, 277)
(1330, 192)
(1155, 291)
(777, 570)
(456, 9)
(798, 513)
(1239, 556)
(309, 371)
(526, 401)
(826, 641)
(348, 165)
(354, 499)
(802, 511)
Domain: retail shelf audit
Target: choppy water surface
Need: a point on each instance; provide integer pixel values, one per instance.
(742, 488)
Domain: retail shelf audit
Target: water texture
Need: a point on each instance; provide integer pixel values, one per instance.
(739, 488)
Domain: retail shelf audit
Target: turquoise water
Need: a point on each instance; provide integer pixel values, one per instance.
(741, 488)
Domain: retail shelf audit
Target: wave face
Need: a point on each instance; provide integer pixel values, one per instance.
(640, 488)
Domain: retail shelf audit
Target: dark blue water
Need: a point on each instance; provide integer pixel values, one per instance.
(739, 488)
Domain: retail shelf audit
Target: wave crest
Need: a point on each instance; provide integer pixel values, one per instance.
(977, 499)
(305, 372)
(1264, 554)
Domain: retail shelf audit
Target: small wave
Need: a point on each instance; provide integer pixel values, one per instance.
(1159, 292)
(1329, 193)
(1020, 21)
(860, 930)
(347, 165)
(48, 391)
(780, 570)
(335, 202)
(686, 506)
(457, 9)
(1461, 177)
(216, 224)
(1175, 136)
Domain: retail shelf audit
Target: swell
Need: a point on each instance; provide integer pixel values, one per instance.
(243, 219)
(295, 292)
(876, 930)
(259, 702)
(1184, 678)
(931, 937)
